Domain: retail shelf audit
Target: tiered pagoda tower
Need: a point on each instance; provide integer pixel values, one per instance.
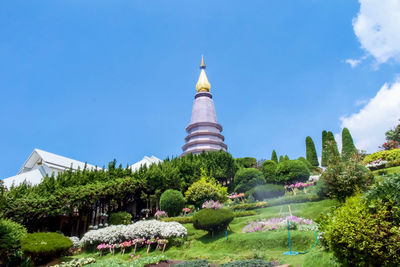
(204, 131)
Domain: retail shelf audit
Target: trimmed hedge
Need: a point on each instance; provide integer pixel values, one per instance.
(186, 219)
(42, 247)
(212, 220)
(388, 155)
(244, 213)
(249, 206)
(262, 192)
(172, 202)
(293, 199)
(291, 171)
(11, 234)
(121, 217)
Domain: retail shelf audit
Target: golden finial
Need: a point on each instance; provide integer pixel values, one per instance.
(202, 84)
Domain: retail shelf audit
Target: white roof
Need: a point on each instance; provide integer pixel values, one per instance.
(145, 161)
(53, 161)
(33, 177)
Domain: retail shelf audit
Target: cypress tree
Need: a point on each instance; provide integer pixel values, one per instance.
(286, 157)
(324, 156)
(281, 158)
(348, 147)
(311, 153)
(335, 151)
(274, 157)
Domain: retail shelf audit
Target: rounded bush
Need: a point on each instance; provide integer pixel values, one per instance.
(359, 237)
(291, 171)
(11, 234)
(42, 247)
(262, 192)
(269, 170)
(203, 190)
(247, 178)
(121, 217)
(212, 220)
(172, 202)
(388, 155)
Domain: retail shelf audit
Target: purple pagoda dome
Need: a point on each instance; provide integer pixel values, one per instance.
(204, 131)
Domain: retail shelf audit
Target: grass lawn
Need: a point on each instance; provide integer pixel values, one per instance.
(263, 245)
(388, 171)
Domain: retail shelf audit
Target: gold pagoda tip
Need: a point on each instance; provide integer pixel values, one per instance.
(202, 65)
(203, 85)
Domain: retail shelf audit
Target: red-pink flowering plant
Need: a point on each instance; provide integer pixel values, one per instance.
(160, 214)
(211, 204)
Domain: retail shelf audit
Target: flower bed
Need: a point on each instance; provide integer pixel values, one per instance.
(377, 164)
(211, 204)
(296, 223)
(141, 229)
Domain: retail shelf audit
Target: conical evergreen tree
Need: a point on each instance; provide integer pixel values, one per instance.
(287, 157)
(281, 158)
(311, 153)
(348, 147)
(324, 156)
(333, 152)
(274, 157)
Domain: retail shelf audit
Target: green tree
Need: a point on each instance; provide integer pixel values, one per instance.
(246, 162)
(247, 178)
(333, 150)
(274, 157)
(348, 147)
(269, 170)
(172, 202)
(324, 156)
(291, 171)
(286, 157)
(281, 158)
(311, 153)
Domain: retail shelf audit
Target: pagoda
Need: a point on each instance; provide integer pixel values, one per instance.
(204, 131)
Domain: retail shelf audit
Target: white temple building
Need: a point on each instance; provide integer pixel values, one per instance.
(204, 131)
(41, 163)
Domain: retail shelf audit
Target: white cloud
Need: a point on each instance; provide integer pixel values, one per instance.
(368, 126)
(377, 27)
(353, 62)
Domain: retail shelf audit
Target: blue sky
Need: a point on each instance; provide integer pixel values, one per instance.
(98, 80)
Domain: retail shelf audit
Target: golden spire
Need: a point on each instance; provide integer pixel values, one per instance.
(202, 84)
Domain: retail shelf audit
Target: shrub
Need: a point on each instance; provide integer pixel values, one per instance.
(160, 214)
(212, 220)
(307, 163)
(269, 170)
(11, 234)
(244, 213)
(172, 202)
(141, 229)
(195, 263)
(76, 262)
(262, 192)
(249, 206)
(291, 171)
(387, 155)
(311, 153)
(121, 217)
(42, 247)
(186, 219)
(360, 238)
(205, 189)
(75, 242)
(344, 178)
(247, 178)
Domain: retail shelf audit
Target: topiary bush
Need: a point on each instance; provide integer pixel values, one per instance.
(359, 237)
(206, 189)
(291, 171)
(121, 217)
(42, 247)
(172, 202)
(212, 220)
(11, 234)
(247, 178)
(262, 192)
(269, 170)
